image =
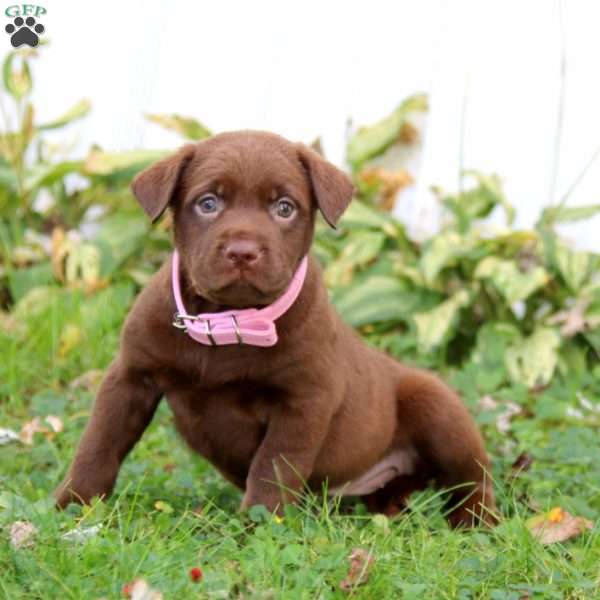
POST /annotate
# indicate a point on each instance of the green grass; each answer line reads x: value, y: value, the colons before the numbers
x: 255, y: 555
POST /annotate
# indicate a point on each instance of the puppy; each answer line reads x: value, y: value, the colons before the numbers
x: 264, y: 379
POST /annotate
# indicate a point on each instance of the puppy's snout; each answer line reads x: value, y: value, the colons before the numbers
x: 241, y: 253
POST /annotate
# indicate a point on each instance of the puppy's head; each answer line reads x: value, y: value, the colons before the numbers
x: 244, y: 206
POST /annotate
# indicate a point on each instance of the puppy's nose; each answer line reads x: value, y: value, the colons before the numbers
x: 242, y: 252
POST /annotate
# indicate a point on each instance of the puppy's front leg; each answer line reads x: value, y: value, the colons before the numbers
x: 285, y: 459
x: 123, y: 409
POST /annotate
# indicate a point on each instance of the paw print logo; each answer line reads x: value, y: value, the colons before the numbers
x: 24, y: 32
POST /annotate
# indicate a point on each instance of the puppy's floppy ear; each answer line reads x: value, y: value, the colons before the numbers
x: 155, y: 186
x: 332, y: 188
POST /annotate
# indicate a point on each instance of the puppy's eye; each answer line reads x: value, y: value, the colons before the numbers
x: 284, y: 208
x: 208, y: 204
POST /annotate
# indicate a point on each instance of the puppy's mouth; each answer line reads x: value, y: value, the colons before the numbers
x: 240, y: 291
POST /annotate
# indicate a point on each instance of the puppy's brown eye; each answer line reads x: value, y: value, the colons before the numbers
x: 208, y: 204
x: 284, y: 208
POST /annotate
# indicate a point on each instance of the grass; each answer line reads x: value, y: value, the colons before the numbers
x: 59, y: 334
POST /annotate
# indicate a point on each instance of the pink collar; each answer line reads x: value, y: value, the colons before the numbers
x: 251, y: 326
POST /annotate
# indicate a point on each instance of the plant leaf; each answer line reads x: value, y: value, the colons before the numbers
x: 359, y: 215
x: 567, y: 214
x: 557, y: 526
x: 434, y: 326
x: 443, y: 250
x: 77, y: 111
x: 99, y: 162
x: 17, y: 83
x: 509, y: 280
x: 372, y: 141
x: 189, y: 128
x: 361, y: 563
x: 375, y: 299
x: 575, y: 267
x: 532, y: 360
x: 360, y: 249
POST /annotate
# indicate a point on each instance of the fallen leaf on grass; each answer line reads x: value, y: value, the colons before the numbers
x: 22, y: 534
x: 139, y: 589
x: 557, y: 526
x: 361, y: 562
x: 81, y: 534
x: 36, y: 425
x: 7, y: 436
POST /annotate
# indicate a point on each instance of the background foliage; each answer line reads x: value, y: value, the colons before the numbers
x: 510, y: 317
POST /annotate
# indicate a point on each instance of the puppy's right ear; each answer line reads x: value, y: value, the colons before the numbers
x: 154, y: 187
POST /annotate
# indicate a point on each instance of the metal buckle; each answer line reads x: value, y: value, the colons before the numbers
x: 238, y: 335
x: 178, y: 321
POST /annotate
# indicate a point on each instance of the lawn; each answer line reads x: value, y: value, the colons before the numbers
x: 172, y: 511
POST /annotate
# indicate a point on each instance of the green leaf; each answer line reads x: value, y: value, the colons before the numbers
x: 575, y: 267
x: 372, y: 141
x: 189, y: 128
x: 360, y: 249
x: 509, y: 280
x: 478, y: 202
x: 434, y: 326
x: 375, y: 299
x: 359, y: 215
x: 532, y: 360
x: 21, y: 281
x: 45, y: 174
x: 120, y: 236
x: 78, y: 111
x: 442, y: 251
x: 103, y: 163
x: 567, y: 214
x: 16, y: 82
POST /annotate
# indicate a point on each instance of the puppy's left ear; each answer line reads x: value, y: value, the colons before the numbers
x: 154, y: 187
x: 332, y: 188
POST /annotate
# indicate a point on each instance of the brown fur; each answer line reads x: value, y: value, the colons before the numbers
x: 320, y: 404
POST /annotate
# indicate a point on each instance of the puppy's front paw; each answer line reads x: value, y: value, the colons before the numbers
x: 269, y: 496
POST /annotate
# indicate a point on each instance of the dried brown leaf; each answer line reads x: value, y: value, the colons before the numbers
x: 36, y: 425
x: 557, y: 526
x: 361, y: 563
x: 22, y: 534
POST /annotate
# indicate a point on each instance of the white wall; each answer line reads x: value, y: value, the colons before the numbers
x: 303, y: 69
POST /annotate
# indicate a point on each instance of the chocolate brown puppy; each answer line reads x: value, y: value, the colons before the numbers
x: 319, y: 405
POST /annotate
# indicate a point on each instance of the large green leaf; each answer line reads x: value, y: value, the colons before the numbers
x: 532, y: 360
x: 568, y: 214
x: 376, y: 299
x: 479, y: 201
x: 45, y: 174
x: 509, y: 280
x: 16, y: 82
x: 189, y: 128
x: 21, y: 281
x: 99, y: 162
x: 120, y: 236
x: 574, y: 266
x: 359, y: 215
x: 435, y: 326
x: 78, y: 111
x: 443, y: 250
x: 372, y: 141
x: 360, y: 249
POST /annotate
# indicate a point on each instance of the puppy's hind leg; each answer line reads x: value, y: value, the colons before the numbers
x: 446, y: 439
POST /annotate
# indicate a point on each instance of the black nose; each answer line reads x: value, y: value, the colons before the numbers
x: 242, y: 252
